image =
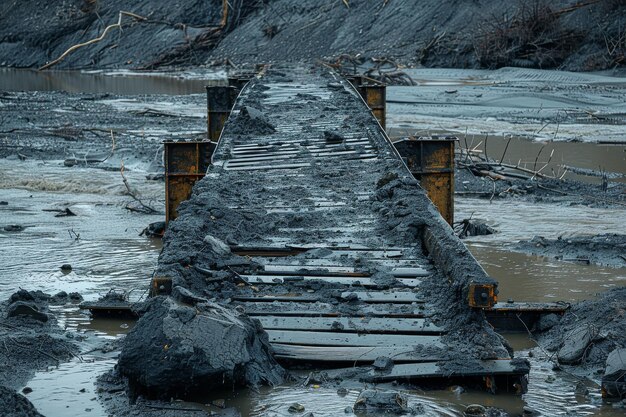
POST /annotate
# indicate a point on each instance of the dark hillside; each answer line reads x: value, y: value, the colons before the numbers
x: 565, y: 34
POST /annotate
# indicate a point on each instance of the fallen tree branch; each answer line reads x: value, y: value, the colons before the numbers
x: 92, y: 41
x: 144, y: 207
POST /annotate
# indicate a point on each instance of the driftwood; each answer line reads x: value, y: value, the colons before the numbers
x: 92, y: 41
x: 143, y: 207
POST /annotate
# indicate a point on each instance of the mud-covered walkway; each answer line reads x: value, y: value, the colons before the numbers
x: 309, y: 221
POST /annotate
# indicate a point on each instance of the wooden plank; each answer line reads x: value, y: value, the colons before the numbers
x: 315, y: 270
x: 328, y: 310
x: 351, y: 281
x: 334, y: 260
x: 267, y: 251
x: 299, y: 337
x: 297, y: 298
x: 401, y: 272
x: 350, y: 354
x: 530, y: 307
x: 384, y: 296
x: 434, y: 370
x: 347, y: 324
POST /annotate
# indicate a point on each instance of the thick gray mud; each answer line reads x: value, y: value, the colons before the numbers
x: 583, y: 338
x: 31, y: 340
x: 608, y: 249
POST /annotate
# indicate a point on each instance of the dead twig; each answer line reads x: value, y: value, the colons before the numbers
x: 92, y: 41
x: 144, y: 207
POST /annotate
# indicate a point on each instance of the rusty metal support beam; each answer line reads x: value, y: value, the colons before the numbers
x: 375, y: 95
x: 431, y: 161
x: 160, y: 286
x: 458, y: 265
x: 220, y: 101
x: 238, y: 82
x: 185, y: 163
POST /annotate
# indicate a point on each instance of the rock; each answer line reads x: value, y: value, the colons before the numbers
x: 309, y: 415
x: 65, y: 213
x: 546, y: 322
x: 185, y: 296
x: 13, y: 228
x: 575, y: 344
x: 333, y: 137
x: 377, y: 401
x: 75, y: 297
x: 22, y: 308
x: 475, y: 410
x: 383, y: 363
x: 176, y: 349
x: 66, y: 268
x: 296, y: 408
x: 155, y: 229
x: 217, y: 246
x: 13, y: 404
x: 342, y: 392
x: 4, y: 203
x: 348, y: 410
x: 21, y: 295
x: 386, y: 179
x: 614, y: 378
x: 27, y: 390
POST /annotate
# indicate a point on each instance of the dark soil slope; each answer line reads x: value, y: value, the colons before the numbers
x: 566, y: 34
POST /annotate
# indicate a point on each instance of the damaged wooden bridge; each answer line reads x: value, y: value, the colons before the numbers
x: 307, y: 219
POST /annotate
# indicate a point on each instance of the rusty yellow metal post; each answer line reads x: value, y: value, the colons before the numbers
x: 160, y: 286
x: 375, y: 95
x: 431, y: 161
x: 238, y: 82
x: 220, y: 100
x: 185, y: 163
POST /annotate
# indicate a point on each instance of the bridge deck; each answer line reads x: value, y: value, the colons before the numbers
x: 328, y: 230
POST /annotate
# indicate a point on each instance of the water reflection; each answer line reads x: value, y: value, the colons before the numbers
x: 120, y: 82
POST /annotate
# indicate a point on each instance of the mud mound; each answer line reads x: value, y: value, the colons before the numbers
x: 589, y: 332
x: 607, y: 249
x: 30, y: 337
x: 178, y: 349
x: 13, y: 404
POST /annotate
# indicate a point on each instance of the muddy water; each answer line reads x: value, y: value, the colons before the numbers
x: 120, y: 82
x: 109, y: 253
x: 101, y: 242
x: 554, y: 158
x: 537, y: 278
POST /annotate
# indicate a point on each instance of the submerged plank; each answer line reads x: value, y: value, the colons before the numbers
x: 350, y: 281
x: 440, y: 370
x: 296, y: 337
x: 346, y: 324
x: 383, y: 296
x: 329, y: 310
x: 350, y: 354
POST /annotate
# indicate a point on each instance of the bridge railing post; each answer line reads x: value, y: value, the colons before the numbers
x: 185, y: 163
x: 220, y: 101
x: 375, y: 95
x: 431, y: 161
